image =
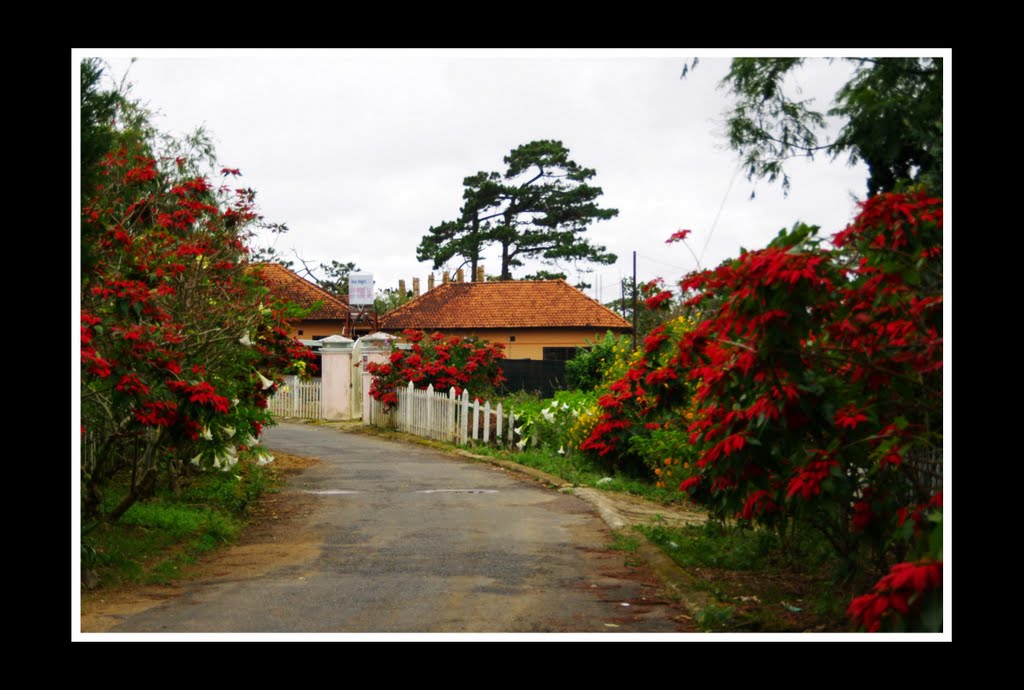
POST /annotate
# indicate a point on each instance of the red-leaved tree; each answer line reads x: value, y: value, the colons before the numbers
x: 181, y: 341
x: 819, y: 379
x: 817, y: 376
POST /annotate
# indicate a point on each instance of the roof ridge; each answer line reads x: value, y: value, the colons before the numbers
x: 310, y: 283
x: 507, y: 303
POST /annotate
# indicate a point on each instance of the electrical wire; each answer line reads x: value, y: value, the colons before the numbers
x: 718, y: 215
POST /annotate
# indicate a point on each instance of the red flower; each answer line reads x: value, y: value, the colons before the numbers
x: 849, y: 417
x: 898, y: 592
x: 690, y: 484
x: 656, y: 301
x: 678, y: 236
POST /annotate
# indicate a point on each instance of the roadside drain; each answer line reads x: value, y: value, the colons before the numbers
x: 332, y: 492
x: 458, y: 491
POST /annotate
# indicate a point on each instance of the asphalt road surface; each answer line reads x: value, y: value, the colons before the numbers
x: 403, y: 538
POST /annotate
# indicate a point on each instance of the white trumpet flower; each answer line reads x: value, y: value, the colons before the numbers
x: 244, y: 340
x: 267, y: 383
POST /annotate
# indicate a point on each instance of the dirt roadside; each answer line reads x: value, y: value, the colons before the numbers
x: 272, y: 539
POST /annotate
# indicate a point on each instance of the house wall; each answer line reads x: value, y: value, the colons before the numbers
x: 312, y: 328
x: 530, y: 342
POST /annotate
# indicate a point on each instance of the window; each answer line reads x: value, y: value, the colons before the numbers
x: 559, y: 354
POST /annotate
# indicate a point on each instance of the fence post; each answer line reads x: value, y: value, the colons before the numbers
x: 476, y: 420
x: 450, y: 415
x: 292, y: 382
x: 487, y: 422
x: 511, y: 428
x: 408, y: 411
x: 464, y: 421
x: 430, y: 411
x: 497, y: 428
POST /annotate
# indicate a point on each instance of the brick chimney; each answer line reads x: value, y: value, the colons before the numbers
x: 480, y: 274
x: 401, y: 287
x: 444, y: 278
x: 460, y: 276
x: 415, y: 287
x: 430, y: 281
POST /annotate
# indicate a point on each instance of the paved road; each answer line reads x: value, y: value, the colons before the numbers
x: 403, y: 538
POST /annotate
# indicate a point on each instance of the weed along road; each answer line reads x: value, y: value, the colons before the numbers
x: 395, y: 537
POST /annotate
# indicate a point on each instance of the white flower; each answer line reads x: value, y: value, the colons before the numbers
x: 265, y: 459
x: 229, y: 431
x: 522, y: 444
x: 196, y: 459
x: 226, y: 458
x: 207, y: 434
x: 548, y: 415
x: 249, y: 441
x: 561, y: 450
x: 267, y: 383
x: 244, y: 340
x: 235, y: 402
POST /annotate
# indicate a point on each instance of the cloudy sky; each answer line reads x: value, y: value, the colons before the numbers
x: 359, y: 152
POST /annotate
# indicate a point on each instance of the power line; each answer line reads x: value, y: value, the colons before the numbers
x: 664, y: 263
x: 719, y: 214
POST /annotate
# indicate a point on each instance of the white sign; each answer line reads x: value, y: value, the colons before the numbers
x: 360, y: 289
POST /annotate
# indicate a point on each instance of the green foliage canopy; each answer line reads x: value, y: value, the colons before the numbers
x: 891, y: 108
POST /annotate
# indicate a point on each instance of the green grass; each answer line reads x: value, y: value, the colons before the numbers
x: 156, y: 541
x: 711, y: 545
x: 628, y: 544
x: 578, y: 470
x: 759, y: 585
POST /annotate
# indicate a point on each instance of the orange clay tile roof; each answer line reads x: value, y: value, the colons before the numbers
x: 294, y: 288
x: 503, y: 304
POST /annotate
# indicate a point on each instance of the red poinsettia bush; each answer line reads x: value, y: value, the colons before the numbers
x: 181, y: 341
x: 644, y: 413
x: 445, y: 362
x: 819, y: 388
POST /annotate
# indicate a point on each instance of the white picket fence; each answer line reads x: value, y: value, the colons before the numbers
x: 445, y: 417
x: 297, y: 399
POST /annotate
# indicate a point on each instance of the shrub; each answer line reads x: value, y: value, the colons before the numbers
x: 441, y: 361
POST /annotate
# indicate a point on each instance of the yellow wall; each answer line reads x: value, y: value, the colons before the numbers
x: 314, y: 328
x: 530, y: 342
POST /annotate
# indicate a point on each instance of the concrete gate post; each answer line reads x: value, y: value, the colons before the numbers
x: 336, y: 378
x: 376, y: 347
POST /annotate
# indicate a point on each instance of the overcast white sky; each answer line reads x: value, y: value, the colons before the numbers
x: 359, y: 152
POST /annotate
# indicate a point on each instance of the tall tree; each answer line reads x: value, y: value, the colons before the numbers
x: 891, y: 110
x: 467, y: 236
x: 539, y: 208
x: 337, y: 274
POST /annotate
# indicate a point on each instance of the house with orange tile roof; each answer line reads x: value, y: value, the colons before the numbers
x: 330, y: 315
x: 534, y: 319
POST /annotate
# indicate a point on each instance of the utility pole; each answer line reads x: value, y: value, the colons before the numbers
x: 634, y: 299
